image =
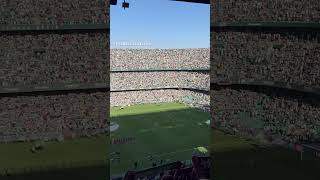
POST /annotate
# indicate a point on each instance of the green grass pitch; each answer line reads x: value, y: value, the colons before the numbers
x: 172, y: 130
x: 238, y: 158
x: 167, y: 131
x: 79, y: 158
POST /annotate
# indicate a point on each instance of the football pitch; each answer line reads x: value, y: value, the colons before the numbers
x: 238, y: 158
x: 81, y: 158
x: 165, y: 131
x: 171, y: 131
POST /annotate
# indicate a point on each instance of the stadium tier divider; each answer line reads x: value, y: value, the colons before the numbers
x: 253, y: 82
x: 163, y: 88
x: 54, y: 87
x: 51, y: 27
x: 155, y: 70
x: 267, y: 25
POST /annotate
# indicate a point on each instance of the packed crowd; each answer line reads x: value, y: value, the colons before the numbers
x: 199, y: 169
x: 184, y: 173
x: 128, y: 59
x: 126, y: 98
x: 143, y: 84
x: 266, y: 11
x: 289, y: 118
x: 126, y: 140
x: 24, y: 118
x: 37, y: 12
x: 41, y: 59
x: 283, y: 57
x: 49, y: 58
x: 152, y: 80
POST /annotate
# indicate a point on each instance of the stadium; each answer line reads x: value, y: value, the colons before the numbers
x: 54, y: 88
x: 265, y: 89
x: 160, y: 113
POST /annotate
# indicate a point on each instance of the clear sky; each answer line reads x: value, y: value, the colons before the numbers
x: 160, y: 24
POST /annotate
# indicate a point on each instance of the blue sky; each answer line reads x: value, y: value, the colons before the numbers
x: 160, y: 24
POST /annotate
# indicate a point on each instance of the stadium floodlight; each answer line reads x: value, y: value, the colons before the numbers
x: 125, y: 4
x: 113, y: 2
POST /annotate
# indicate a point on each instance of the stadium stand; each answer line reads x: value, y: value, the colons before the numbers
x: 128, y: 59
x: 167, y: 75
x: 174, y: 171
x: 165, y: 79
x: 54, y: 60
x: 51, y: 117
x: 266, y: 11
x: 21, y: 12
x: 198, y: 99
x: 289, y: 57
x: 265, y: 70
x: 278, y: 113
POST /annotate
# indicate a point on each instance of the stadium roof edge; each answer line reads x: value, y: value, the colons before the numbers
x: 196, y: 1
x: 114, y: 2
